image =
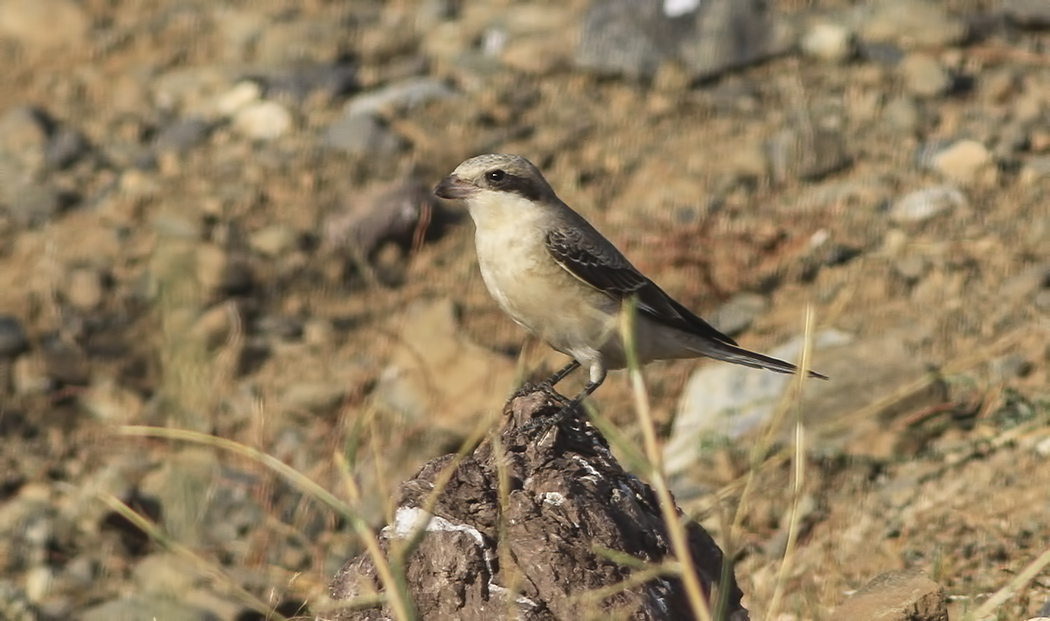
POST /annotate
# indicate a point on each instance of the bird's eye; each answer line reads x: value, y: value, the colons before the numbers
x: 496, y: 175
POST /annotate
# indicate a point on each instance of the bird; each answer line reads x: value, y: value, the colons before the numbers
x: 555, y: 275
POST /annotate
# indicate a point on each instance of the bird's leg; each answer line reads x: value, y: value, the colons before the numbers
x: 554, y: 419
x: 547, y: 385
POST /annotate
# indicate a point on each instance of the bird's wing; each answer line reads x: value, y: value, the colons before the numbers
x: 596, y: 262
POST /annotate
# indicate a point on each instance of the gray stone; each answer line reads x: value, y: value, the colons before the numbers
x: 635, y: 37
x: 905, y: 114
x: 182, y: 135
x: 921, y: 205
x: 65, y: 147
x: 726, y: 402
x: 13, y: 339
x: 362, y: 134
x: 739, y: 313
x: 628, y: 37
x: 728, y: 34
x: 1033, y: 14
x: 806, y: 153
x: 399, y: 96
x: 24, y: 135
x: 33, y: 204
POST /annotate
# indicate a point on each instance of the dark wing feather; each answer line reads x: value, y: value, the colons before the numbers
x: 599, y: 264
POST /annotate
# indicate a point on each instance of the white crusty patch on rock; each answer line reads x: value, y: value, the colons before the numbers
x: 407, y: 519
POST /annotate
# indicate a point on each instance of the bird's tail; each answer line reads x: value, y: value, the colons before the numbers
x: 738, y: 355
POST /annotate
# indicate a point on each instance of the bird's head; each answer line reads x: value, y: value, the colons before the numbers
x: 495, y: 178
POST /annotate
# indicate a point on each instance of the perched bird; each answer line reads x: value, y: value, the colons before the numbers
x: 561, y: 280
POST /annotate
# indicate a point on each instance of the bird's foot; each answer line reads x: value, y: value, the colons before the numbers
x: 546, y: 388
x: 569, y: 410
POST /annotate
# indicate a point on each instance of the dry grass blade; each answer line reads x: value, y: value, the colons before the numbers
x: 675, y: 528
x: 203, y: 566
x: 401, y: 604
x: 989, y: 609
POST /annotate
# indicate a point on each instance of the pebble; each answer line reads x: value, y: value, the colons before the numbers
x: 45, y: 25
x: 13, y: 338
x: 903, y: 595
x: 921, y: 205
x: 362, y: 134
x: 85, y: 288
x: 263, y: 120
x: 312, y: 397
x: 274, y: 240
x: 924, y: 76
x: 112, y: 403
x: 182, y: 135
x: 29, y: 375
x: 242, y: 95
x: 1034, y: 14
x: 33, y: 204
x: 962, y: 161
x: 215, y: 325
x: 65, y: 147
x: 905, y: 114
x: 24, y: 139
x: 333, y: 79
x: 912, y: 24
x: 829, y: 42
x: 806, y: 154
x: 737, y: 315
x: 399, y: 96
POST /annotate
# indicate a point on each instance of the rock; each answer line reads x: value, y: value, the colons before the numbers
x: 829, y: 42
x: 29, y: 375
x: 924, y: 76
x: 1010, y: 367
x: 906, y: 115
x: 570, y: 499
x: 13, y: 338
x: 262, y: 120
x: 634, y: 38
x: 312, y: 398
x: 921, y: 205
x: 729, y: 34
x: 24, y: 136
x: 912, y: 24
x: 33, y: 204
x: 164, y: 573
x: 725, y: 401
x: 299, y: 80
x: 963, y: 161
x: 806, y: 153
x: 242, y: 95
x: 44, y: 25
x: 1034, y: 14
x: 362, y: 134
x: 112, y: 403
x: 274, y: 240
x: 215, y: 326
x: 398, y: 97
x: 65, y: 147
x: 391, y: 212
x: 85, y: 288
x: 739, y: 313
x: 627, y: 37
x: 907, y: 595
x: 182, y: 135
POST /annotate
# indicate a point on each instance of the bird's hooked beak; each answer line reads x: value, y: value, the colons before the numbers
x: 453, y: 187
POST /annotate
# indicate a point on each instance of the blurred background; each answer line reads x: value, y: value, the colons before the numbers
x: 217, y: 217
